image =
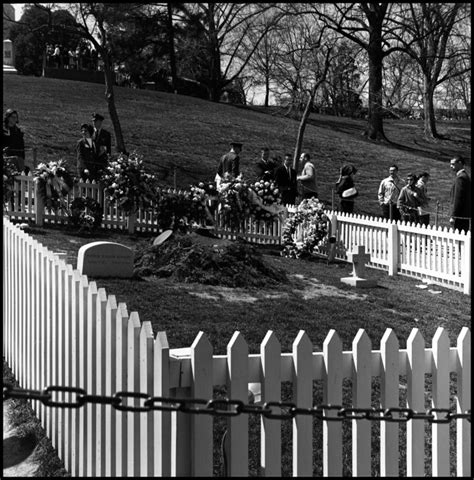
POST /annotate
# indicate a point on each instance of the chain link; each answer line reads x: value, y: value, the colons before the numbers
x: 78, y: 397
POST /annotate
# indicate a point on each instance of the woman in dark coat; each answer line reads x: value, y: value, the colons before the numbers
x: 345, y: 188
x: 13, y: 143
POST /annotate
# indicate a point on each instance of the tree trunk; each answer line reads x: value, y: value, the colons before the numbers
x: 302, y: 127
x: 428, y: 109
x: 375, y: 53
x: 174, y: 78
x: 267, y: 89
x: 109, y: 96
x: 215, y: 84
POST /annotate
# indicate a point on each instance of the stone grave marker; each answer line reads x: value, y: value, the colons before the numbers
x: 105, y: 259
x: 359, y: 258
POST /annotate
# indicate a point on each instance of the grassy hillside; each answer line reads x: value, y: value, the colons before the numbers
x: 189, y: 134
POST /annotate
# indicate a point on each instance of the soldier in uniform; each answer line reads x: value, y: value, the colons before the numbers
x: 102, y: 139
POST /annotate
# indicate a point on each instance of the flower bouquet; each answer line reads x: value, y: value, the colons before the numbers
x: 85, y: 213
x: 126, y: 182
x: 235, y: 201
x: 10, y: 171
x: 266, y: 200
x: 54, y: 183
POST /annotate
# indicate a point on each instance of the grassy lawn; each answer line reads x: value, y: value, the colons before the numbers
x: 190, y: 134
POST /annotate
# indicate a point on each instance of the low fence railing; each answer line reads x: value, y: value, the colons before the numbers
x: 61, y: 330
x: 440, y: 255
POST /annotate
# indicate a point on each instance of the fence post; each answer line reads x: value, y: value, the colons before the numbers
x: 332, y: 238
x: 393, y: 249
x: 35, y: 151
x: 132, y: 218
x: 39, y: 205
x: 466, y: 260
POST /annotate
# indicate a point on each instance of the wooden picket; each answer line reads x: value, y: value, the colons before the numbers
x: 62, y: 330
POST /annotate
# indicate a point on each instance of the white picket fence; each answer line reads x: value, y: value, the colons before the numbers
x: 60, y: 329
x: 437, y: 254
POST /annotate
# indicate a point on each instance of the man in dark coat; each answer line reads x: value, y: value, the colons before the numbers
x: 460, y: 196
x: 269, y: 165
x: 230, y: 162
x: 88, y: 168
x: 102, y: 139
x: 285, y: 178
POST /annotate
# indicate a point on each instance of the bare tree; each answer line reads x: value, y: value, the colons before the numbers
x: 225, y: 27
x: 91, y: 24
x: 425, y: 31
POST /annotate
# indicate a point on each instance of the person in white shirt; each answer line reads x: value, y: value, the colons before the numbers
x: 388, y: 193
x: 307, y: 178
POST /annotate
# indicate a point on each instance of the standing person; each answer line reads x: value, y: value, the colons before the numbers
x: 423, y: 209
x: 388, y: 193
x: 13, y: 142
x: 262, y: 172
x: 285, y: 178
x: 460, y: 196
x: 307, y: 178
x: 229, y: 164
x: 409, y: 200
x: 269, y: 165
x: 345, y: 188
x: 57, y: 56
x: 87, y: 165
x: 102, y: 139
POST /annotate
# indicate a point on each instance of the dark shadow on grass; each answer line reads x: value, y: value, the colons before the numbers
x: 17, y: 449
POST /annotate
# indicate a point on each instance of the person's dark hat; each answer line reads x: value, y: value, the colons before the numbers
x: 97, y: 116
x: 236, y: 144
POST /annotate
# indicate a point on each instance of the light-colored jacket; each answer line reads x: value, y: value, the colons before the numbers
x: 423, y: 209
x: 308, y: 178
x: 389, y: 190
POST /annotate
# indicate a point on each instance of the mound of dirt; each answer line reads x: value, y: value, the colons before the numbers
x: 211, y: 261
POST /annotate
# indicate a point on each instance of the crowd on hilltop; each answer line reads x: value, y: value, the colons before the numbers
x: 398, y: 199
x: 84, y: 57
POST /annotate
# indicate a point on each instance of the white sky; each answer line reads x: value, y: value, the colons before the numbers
x: 18, y: 9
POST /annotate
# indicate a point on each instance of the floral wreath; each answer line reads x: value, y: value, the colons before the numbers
x: 54, y: 182
x: 311, y: 216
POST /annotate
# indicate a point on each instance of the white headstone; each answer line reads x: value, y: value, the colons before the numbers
x: 105, y: 259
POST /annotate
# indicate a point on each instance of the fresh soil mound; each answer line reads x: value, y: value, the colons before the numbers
x: 211, y: 261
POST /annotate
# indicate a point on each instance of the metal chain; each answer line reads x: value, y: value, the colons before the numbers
x: 142, y: 402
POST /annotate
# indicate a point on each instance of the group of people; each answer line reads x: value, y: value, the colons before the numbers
x: 283, y: 174
x: 93, y: 149
x: 398, y: 200
x: 410, y: 201
x: 82, y: 58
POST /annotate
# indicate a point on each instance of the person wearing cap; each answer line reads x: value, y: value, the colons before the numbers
x: 345, y: 188
x: 13, y: 142
x: 102, y: 139
x: 229, y: 164
x: 87, y: 166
